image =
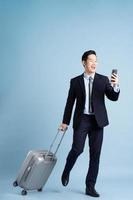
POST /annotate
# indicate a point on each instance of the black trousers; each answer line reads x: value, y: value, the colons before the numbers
x: 88, y: 127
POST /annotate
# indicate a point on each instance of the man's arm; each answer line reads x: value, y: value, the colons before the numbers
x: 112, y: 89
x: 69, y: 106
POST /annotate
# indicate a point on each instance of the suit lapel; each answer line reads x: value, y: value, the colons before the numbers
x: 95, y: 84
x: 82, y: 85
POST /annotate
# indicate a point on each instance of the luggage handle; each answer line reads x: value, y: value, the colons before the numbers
x: 51, y: 146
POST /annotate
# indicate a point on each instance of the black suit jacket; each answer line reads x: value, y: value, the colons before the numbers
x: 101, y: 87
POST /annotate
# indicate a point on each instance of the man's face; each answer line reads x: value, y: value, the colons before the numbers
x: 90, y: 64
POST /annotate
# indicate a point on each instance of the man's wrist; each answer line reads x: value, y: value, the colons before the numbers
x: 116, y: 87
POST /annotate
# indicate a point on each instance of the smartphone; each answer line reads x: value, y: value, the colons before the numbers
x: 114, y: 71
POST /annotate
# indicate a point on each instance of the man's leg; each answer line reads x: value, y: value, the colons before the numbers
x: 76, y: 150
x: 79, y: 137
x: 95, y: 144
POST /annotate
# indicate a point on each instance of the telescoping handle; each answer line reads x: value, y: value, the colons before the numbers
x: 51, y: 146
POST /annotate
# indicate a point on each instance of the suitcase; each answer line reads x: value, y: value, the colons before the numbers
x: 37, y: 168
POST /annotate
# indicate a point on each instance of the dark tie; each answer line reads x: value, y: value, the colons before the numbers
x: 90, y: 92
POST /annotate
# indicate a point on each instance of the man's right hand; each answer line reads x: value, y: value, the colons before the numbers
x: 63, y: 127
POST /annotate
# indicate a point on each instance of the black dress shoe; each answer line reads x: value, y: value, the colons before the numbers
x: 65, y: 179
x: 91, y: 192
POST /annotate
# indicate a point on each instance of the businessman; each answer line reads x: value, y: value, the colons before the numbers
x: 90, y: 117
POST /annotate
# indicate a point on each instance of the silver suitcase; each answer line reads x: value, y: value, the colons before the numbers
x: 37, y: 168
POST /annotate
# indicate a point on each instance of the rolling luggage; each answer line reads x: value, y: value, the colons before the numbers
x: 37, y: 168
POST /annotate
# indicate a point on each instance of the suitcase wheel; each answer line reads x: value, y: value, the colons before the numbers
x: 24, y: 192
x: 15, y: 184
x: 39, y: 190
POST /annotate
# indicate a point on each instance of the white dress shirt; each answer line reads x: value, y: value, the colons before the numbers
x: 86, y: 83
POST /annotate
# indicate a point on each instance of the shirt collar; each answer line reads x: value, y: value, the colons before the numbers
x: 87, y: 76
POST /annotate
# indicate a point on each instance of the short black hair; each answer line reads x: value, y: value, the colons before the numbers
x: 87, y: 53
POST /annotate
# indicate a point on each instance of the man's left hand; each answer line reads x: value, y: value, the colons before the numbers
x: 114, y: 80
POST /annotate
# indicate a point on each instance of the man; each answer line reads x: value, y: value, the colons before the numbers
x: 90, y: 117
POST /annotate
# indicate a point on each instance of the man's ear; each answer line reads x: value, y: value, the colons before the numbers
x: 83, y: 62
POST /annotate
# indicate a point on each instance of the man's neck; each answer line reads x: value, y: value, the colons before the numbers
x: 89, y: 74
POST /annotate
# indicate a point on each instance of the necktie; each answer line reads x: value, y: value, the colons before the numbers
x: 90, y: 92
